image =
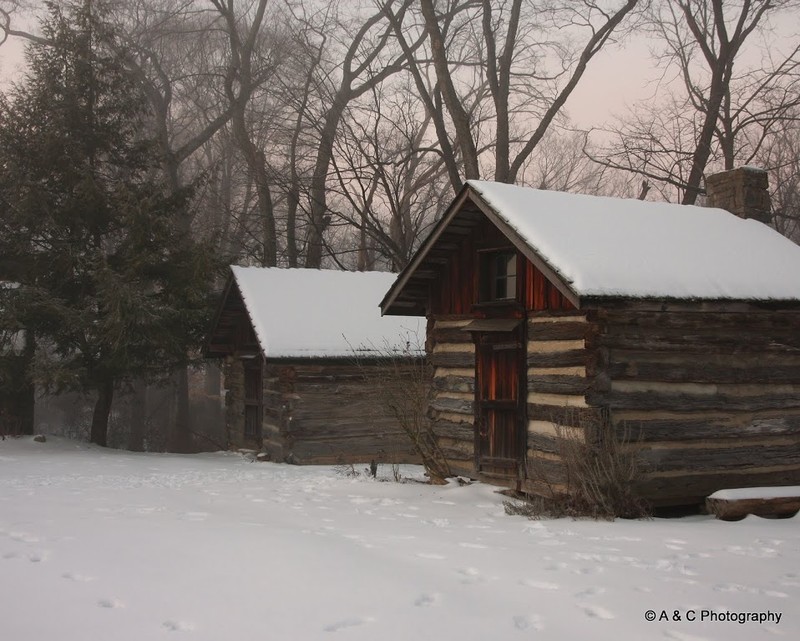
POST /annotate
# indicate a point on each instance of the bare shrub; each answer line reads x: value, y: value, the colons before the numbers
x: 597, y: 479
x: 347, y: 470
x: 404, y: 387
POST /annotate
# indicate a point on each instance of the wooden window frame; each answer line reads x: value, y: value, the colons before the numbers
x: 487, y: 261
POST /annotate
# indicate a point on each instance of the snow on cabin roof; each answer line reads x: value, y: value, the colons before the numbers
x: 613, y: 247
x: 322, y: 313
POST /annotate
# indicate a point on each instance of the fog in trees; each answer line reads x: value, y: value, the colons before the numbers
x: 299, y: 133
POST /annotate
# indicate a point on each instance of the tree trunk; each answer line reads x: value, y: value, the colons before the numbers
x: 27, y: 391
x: 458, y: 115
x: 102, y: 410
x: 138, y: 416
x: 181, y: 437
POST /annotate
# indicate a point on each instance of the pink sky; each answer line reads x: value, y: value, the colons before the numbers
x: 615, y: 79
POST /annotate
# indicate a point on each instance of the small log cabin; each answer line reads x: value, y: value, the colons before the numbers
x: 304, y: 356
x: 551, y: 315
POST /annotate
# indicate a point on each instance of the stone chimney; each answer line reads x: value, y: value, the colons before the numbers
x: 743, y: 191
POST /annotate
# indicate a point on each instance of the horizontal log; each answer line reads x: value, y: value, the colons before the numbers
x: 584, y: 417
x: 688, y: 489
x: 451, y: 335
x: 458, y: 419
x: 454, y: 383
x: 453, y: 359
x: 566, y: 330
x: 757, y: 320
x: 557, y: 315
x: 362, y: 441
x: 710, y: 428
x: 348, y: 457
x: 462, y: 467
x: 544, y: 443
x: 648, y: 366
x: 616, y: 400
x: 454, y: 405
x: 321, y: 428
x: 682, y: 306
x: 702, y: 342
x: 456, y: 449
x: 545, y: 472
x: 567, y: 358
x: 460, y: 431
x: 557, y: 384
x: 693, y: 460
x: 736, y: 509
x: 455, y: 454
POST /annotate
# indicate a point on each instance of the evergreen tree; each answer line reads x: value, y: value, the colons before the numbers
x: 104, y: 282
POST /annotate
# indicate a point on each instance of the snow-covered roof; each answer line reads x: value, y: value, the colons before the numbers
x: 322, y: 313
x: 613, y: 247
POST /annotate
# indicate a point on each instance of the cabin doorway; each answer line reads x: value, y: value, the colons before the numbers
x: 499, y: 403
x: 253, y: 398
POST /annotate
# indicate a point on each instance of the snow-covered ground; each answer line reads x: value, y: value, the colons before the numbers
x: 99, y: 544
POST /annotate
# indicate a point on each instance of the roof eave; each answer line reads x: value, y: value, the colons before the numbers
x: 404, y: 276
x: 468, y: 192
x: 207, y: 352
x: 549, y: 272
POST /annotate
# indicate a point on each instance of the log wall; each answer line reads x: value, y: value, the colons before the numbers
x: 558, y: 381
x: 710, y: 400
x: 318, y: 413
x: 452, y: 409
x: 233, y: 371
x: 330, y: 413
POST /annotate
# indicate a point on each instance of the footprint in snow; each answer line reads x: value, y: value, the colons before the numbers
x: 37, y: 557
x: 470, y: 575
x: 352, y: 622
x: 474, y: 546
x: 540, y: 585
x: 426, y: 600
x: 10, y: 555
x: 593, y: 591
x: 528, y: 622
x: 590, y: 570
x: 596, y: 612
x: 195, y: 516
x: 23, y: 537
x: 438, y: 522
x: 735, y: 587
x: 111, y: 604
x: 431, y: 555
x: 177, y: 626
x: 72, y: 576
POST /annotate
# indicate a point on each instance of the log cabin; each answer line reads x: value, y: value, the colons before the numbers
x: 674, y: 328
x: 304, y: 356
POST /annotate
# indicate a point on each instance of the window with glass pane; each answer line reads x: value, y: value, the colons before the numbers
x: 498, y: 276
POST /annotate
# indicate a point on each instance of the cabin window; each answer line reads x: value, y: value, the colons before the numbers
x: 498, y: 276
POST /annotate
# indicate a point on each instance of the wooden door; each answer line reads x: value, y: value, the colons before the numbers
x: 499, y: 396
x: 253, y: 398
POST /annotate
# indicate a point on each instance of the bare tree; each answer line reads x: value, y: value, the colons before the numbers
x: 781, y: 153
x: 389, y: 175
x: 493, y: 64
x: 12, y: 12
x: 712, y: 114
x: 248, y: 68
x: 366, y: 62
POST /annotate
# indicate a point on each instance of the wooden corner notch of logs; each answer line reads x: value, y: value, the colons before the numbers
x: 769, y: 502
